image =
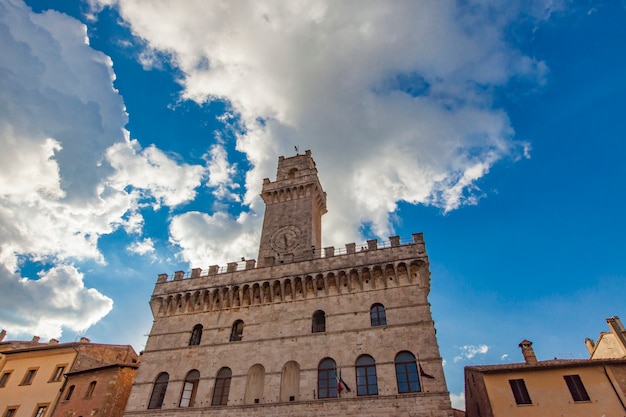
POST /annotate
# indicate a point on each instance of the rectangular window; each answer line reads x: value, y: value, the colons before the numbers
x: 58, y: 373
x: 40, y: 411
x: 519, y: 391
x: 30, y: 375
x: 4, y: 378
x: 576, y: 388
x: 11, y: 411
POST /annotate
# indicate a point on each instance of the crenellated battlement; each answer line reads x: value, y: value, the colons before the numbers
x: 376, y: 265
x: 328, y: 252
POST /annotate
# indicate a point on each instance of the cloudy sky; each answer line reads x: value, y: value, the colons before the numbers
x: 135, y: 135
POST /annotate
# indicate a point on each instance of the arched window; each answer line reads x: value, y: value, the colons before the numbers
x: 406, y: 373
x: 377, y: 315
x: 196, y: 335
x: 158, y: 391
x: 366, y: 382
x: 236, y: 333
x: 70, y: 391
x: 90, y: 388
x: 327, y: 379
x: 319, y: 322
x: 222, y: 387
x: 190, y: 387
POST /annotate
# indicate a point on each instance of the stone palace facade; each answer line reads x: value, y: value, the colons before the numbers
x: 304, y: 331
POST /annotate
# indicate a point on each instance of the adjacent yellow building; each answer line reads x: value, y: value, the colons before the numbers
x: 559, y: 387
x: 32, y: 375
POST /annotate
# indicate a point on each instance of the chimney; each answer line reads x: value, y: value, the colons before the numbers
x: 53, y: 342
x: 35, y: 340
x: 528, y: 352
x: 84, y: 340
x: 3, y: 334
x: 590, y: 345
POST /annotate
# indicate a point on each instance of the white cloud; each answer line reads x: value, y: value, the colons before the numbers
x: 143, y: 247
x: 43, y: 306
x: 214, y: 239
x: 398, y: 95
x: 504, y: 356
x: 151, y: 170
x: 458, y: 400
x: 59, y: 113
x: 469, y: 351
x: 221, y: 174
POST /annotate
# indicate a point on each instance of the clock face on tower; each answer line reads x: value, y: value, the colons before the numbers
x: 285, y: 239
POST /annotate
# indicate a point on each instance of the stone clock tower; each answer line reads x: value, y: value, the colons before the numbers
x: 295, y: 203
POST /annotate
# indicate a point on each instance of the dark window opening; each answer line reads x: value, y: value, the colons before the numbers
x: 28, y: 378
x: 292, y: 398
x: 70, y: 391
x: 406, y: 373
x: 158, y: 391
x: 236, y: 333
x: 576, y: 388
x: 196, y: 335
x: 222, y: 387
x: 10, y: 412
x: 90, y: 388
x: 4, y: 378
x: 319, y: 322
x: 377, y: 315
x: 518, y: 386
x: 327, y: 379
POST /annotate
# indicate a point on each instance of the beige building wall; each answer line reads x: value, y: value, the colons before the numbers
x: 43, y: 390
x: 550, y: 395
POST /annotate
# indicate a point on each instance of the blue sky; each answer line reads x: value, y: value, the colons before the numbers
x: 136, y: 135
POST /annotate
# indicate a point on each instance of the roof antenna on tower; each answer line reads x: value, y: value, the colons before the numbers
x: 296, y: 148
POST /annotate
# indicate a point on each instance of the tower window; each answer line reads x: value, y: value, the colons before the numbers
x: 366, y: 381
x: 319, y: 322
x: 222, y: 387
x: 377, y: 315
x: 196, y: 335
x: 190, y: 387
x: 406, y: 373
x: 327, y: 379
x: 236, y: 334
x: 158, y: 391
x: 518, y: 386
x: 576, y: 388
